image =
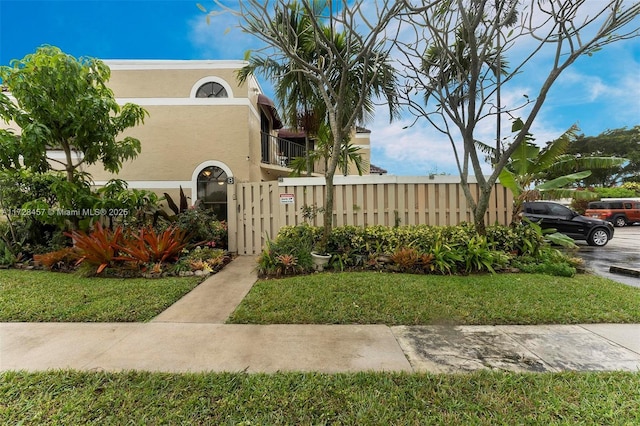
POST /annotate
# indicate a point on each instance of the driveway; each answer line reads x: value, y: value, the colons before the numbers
x: 622, y: 250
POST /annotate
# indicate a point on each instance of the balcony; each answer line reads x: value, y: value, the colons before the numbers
x: 280, y: 152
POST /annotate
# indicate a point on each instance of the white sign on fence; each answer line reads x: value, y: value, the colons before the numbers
x: 287, y: 199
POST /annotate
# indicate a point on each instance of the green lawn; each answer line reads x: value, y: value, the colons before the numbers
x: 332, y: 298
x: 39, y: 296
x: 73, y: 398
x: 403, y: 299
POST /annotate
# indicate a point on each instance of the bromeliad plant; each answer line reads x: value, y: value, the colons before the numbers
x: 104, y: 248
x: 147, y: 246
x: 99, y: 248
x: 60, y: 260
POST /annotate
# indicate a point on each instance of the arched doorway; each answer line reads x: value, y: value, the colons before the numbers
x: 211, y: 190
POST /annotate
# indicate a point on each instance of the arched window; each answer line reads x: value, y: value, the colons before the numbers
x: 212, y: 190
x: 212, y: 90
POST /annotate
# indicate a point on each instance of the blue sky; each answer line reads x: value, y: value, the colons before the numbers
x: 598, y: 93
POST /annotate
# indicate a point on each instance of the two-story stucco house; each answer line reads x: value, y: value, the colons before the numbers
x: 204, y: 130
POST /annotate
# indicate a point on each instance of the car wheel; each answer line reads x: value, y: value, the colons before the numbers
x: 619, y: 221
x: 599, y: 237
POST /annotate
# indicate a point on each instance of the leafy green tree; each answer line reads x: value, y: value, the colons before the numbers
x: 334, y: 54
x: 62, y: 103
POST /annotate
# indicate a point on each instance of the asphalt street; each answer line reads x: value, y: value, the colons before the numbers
x: 623, y: 250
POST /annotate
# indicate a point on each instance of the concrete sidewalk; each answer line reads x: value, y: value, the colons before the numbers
x: 191, y: 337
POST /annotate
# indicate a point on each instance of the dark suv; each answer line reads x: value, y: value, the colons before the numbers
x: 564, y: 220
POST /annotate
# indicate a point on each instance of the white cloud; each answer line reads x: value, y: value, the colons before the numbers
x: 221, y: 38
x: 416, y: 150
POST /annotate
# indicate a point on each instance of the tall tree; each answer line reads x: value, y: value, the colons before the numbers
x: 456, y: 55
x: 62, y: 103
x: 336, y: 51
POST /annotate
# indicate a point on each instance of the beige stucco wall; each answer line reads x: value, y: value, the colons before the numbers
x: 183, y: 132
x: 171, y: 79
x: 176, y: 139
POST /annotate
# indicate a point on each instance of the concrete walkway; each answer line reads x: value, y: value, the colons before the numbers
x: 191, y: 337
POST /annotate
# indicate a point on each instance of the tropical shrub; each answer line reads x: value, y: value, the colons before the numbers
x: 64, y: 259
x: 202, y: 226
x: 219, y: 234
x: 445, y: 258
x: 149, y: 246
x: 26, y: 231
x: 298, y: 241
x: 7, y: 257
x: 98, y: 248
x: 519, y: 239
x: 620, y: 192
x: 478, y: 256
x: 127, y: 207
x: 413, y: 249
x: 548, y: 261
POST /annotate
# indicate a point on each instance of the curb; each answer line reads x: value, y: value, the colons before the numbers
x: 623, y: 270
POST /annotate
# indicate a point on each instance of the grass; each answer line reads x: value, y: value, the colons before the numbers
x: 403, y: 299
x: 65, y: 397
x: 340, y: 298
x: 39, y: 296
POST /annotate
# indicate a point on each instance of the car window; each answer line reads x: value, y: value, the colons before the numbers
x: 558, y: 210
x: 537, y: 208
x: 627, y: 205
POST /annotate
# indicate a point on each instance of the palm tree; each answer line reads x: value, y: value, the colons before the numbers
x: 302, y: 108
x: 322, y: 151
x: 325, y: 80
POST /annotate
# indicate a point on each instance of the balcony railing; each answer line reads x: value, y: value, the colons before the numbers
x: 280, y: 152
